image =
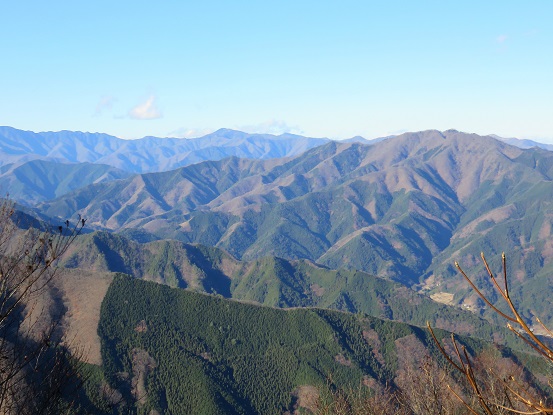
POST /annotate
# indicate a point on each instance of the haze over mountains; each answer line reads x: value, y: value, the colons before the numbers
x: 147, y: 154
x: 153, y: 154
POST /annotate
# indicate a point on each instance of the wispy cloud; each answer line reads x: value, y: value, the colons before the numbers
x: 272, y: 126
x: 105, y: 104
x: 501, y: 38
x: 396, y: 132
x: 146, y: 110
x: 184, y: 132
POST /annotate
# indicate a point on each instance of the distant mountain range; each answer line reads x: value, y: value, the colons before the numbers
x: 153, y: 154
x: 148, y: 154
x: 404, y: 208
x: 524, y: 143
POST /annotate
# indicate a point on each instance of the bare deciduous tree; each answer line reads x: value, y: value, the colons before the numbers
x: 423, y: 390
x: 494, y: 385
x: 495, y: 393
x: 36, y: 370
x: 363, y: 401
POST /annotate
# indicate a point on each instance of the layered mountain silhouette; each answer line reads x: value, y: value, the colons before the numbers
x: 523, y: 143
x: 148, y: 154
x: 404, y: 208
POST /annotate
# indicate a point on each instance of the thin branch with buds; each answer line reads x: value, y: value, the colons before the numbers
x: 518, y: 400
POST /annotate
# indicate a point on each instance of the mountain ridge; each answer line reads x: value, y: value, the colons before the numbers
x: 268, y: 281
x: 405, y: 208
x: 148, y: 153
x: 34, y: 181
x: 154, y: 154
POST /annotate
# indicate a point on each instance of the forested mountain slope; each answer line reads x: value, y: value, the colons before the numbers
x: 175, y: 351
x: 404, y: 208
x: 270, y: 281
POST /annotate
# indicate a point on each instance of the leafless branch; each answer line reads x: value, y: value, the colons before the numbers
x: 516, y: 398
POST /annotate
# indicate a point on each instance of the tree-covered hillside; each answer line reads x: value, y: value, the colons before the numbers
x: 271, y: 281
x: 175, y: 351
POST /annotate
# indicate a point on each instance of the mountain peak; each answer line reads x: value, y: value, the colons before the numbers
x: 226, y: 131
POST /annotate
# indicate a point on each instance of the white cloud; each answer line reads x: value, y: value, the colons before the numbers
x: 184, y: 132
x: 272, y: 126
x: 105, y: 104
x: 146, y: 111
x: 501, y: 38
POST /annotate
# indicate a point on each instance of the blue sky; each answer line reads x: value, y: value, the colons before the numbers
x: 318, y: 68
